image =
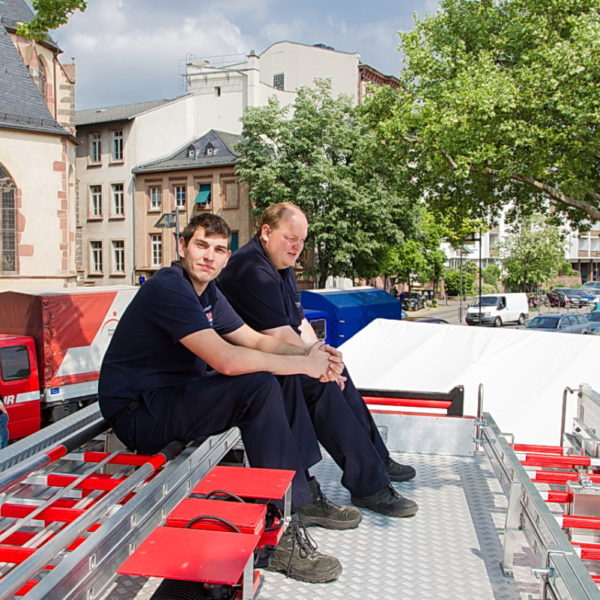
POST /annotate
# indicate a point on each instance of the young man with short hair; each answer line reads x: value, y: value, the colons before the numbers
x: 155, y: 387
x: 260, y: 284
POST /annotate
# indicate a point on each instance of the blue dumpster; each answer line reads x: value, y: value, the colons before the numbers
x: 348, y: 311
x: 320, y: 323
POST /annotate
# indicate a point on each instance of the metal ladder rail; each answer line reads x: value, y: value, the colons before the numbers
x: 24, y: 572
x: 17, y: 452
x: 50, y: 454
x: 35, y: 453
x: 42, y: 536
x: 565, y: 470
x: 120, y: 530
x: 561, y: 571
x: 53, y: 498
x: 88, y: 571
x: 57, y: 529
x: 52, y: 529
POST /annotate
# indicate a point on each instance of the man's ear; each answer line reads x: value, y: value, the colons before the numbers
x: 265, y: 230
x: 181, y: 246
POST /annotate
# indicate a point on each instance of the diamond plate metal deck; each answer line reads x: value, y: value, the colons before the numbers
x: 450, y: 550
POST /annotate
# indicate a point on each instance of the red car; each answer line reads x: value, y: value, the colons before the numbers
x: 556, y: 298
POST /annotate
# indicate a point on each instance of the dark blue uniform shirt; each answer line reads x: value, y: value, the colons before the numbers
x: 145, y: 353
x: 262, y: 295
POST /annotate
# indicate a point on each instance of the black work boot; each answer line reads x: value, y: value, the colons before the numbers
x: 296, y: 555
x: 323, y: 512
x: 387, y: 501
x: 398, y: 472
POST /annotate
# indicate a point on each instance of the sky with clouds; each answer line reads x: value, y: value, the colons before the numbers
x: 132, y: 50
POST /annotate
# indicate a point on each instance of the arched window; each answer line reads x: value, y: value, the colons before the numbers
x: 40, y: 78
x: 43, y: 81
x: 8, y: 220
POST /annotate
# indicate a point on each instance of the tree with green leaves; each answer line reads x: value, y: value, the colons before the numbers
x: 490, y: 275
x: 498, y: 109
x: 314, y: 154
x: 532, y: 255
x: 406, y: 263
x: 418, y: 259
x: 459, y: 282
x: 49, y: 14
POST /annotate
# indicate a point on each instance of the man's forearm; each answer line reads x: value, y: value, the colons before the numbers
x: 272, y: 345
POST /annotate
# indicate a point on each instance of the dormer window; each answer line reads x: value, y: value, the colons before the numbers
x: 191, y: 152
x: 210, y: 150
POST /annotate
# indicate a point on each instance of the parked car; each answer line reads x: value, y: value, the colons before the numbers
x: 572, y: 298
x: 412, y: 301
x: 556, y: 298
x: 534, y: 301
x: 560, y: 322
x: 586, y: 297
x: 429, y: 320
x: 498, y: 309
x: 428, y: 294
x: 592, y: 288
x: 594, y: 319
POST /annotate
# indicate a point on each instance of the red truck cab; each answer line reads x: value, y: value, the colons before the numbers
x: 20, y: 384
x: 51, y: 349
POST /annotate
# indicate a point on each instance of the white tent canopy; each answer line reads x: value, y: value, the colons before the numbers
x: 524, y: 373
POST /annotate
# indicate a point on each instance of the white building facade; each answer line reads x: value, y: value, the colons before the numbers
x: 114, y: 140
x: 37, y: 159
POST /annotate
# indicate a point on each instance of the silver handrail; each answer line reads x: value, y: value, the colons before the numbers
x: 563, y: 575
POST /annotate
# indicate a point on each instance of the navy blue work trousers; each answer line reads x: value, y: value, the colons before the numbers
x: 212, y: 404
x: 3, y: 430
x: 321, y: 412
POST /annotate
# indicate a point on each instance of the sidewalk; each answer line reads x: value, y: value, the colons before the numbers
x: 443, y: 306
x: 454, y: 304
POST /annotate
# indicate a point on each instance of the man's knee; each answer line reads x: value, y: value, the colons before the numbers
x: 260, y: 379
x: 261, y: 387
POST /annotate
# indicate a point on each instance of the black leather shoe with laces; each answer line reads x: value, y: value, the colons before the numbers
x: 296, y: 555
x: 387, y: 501
x: 323, y: 512
x: 398, y: 472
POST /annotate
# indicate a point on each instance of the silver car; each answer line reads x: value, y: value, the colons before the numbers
x: 593, y: 288
x: 560, y: 322
x: 573, y: 298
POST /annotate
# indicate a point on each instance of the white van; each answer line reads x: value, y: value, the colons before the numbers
x: 498, y: 309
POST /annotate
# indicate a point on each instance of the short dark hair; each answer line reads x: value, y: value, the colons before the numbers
x: 275, y: 213
x: 212, y: 225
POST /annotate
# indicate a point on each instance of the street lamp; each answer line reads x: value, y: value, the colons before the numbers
x: 168, y: 221
x: 461, y: 252
x: 468, y: 240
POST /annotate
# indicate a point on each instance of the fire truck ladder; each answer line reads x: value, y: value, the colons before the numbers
x: 553, y: 500
x: 71, y: 513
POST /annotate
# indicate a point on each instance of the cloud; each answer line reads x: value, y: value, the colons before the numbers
x: 376, y: 42
x: 277, y: 31
x: 131, y: 50
x: 139, y: 59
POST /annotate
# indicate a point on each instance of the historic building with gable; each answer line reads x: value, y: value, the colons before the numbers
x: 132, y: 165
x: 38, y: 213
x: 199, y: 177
